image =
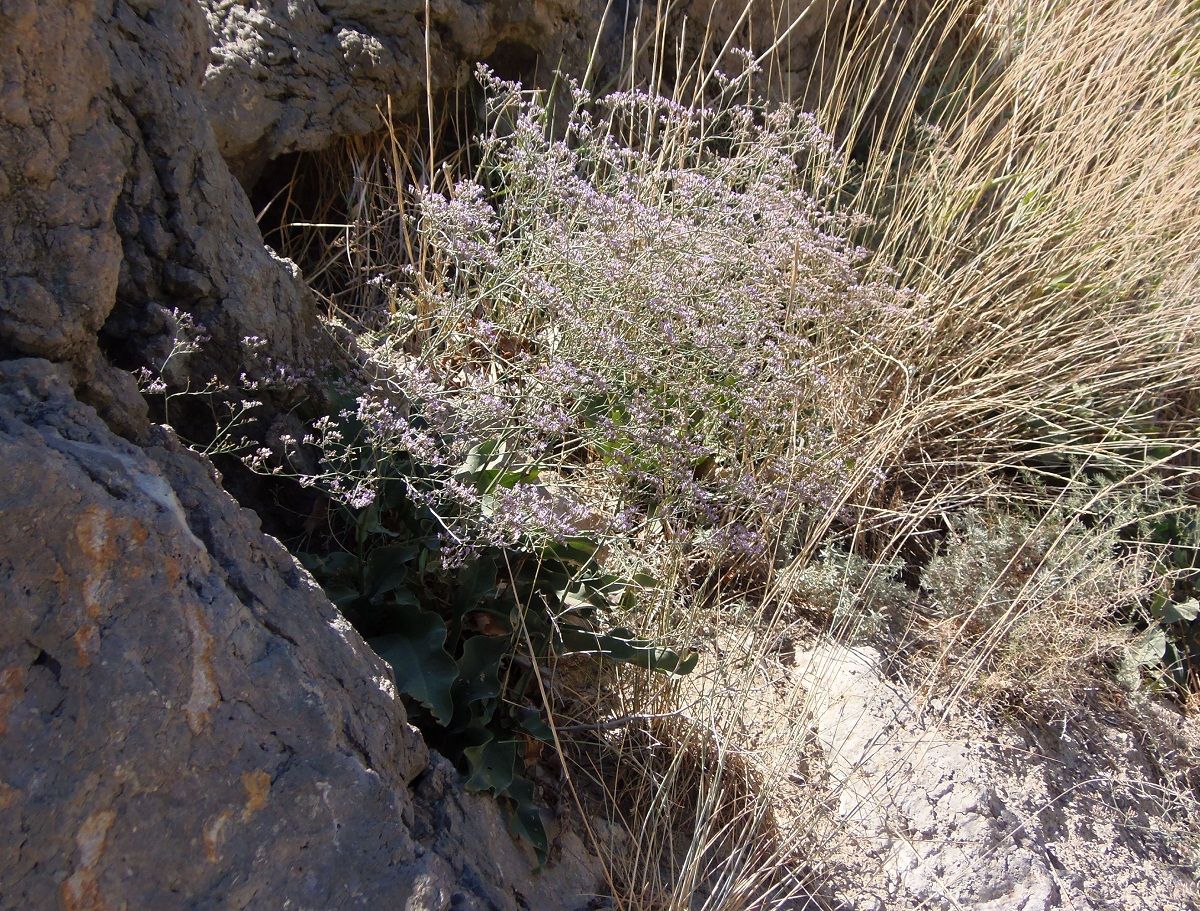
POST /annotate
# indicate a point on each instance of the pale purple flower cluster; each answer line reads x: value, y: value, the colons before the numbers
x: 645, y: 309
x: 389, y: 430
x: 534, y: 510
x: 736, y: 540
x: 462, y: 225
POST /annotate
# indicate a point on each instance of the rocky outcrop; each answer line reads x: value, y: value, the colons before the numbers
x: 784, y: 36
x: 116, y: 207
x: 294, y: 76
x: 185, y: 721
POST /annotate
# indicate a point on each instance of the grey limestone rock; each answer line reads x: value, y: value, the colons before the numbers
x: 295, y: 76
x: 185, y: 720
x: 116, y: 207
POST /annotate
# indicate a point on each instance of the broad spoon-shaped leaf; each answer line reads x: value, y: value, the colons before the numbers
x: 424, y: 669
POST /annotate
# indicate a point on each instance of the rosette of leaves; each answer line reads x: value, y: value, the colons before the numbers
x: 465, y: 645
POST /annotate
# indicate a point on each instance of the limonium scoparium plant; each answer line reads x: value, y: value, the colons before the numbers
x: 629, y: 315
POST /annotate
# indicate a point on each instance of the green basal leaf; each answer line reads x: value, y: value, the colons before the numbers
x: 476, y: 583
x: 578, y: 551
x: 368, y: 524
x: 403, y: 597
x: 1179, y: 612
x: 424, y: 669
x: 683, y: 665
x: 1149, y: 648
x: 489, y: 466
x: 480, y: 457
x: 599, y: 592
x: 388, y: 568
x: 479, y: 668
x: 456, y: 742
x: 525, y: 820
x: 492, y: 765
x: 511, y: 479
x: 623, y: 646
x: 530, y: 721
x: 577, y: 596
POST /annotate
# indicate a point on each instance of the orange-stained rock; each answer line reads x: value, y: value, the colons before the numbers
x: 185, y: 720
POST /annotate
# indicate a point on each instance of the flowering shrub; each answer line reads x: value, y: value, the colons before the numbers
x: 633, y: 320
x: 623, y: 369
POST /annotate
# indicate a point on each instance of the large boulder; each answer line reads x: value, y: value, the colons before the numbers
x: 940, y: 810
x: 185, y: 720
x: 116, y: 207
x: 289, y: 76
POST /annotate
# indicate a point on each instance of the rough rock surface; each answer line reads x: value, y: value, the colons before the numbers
x: 185, y: 721
x: 783, y: 34
x: 116, y: 207
x: 294, y: 76
x: 937, y: 813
